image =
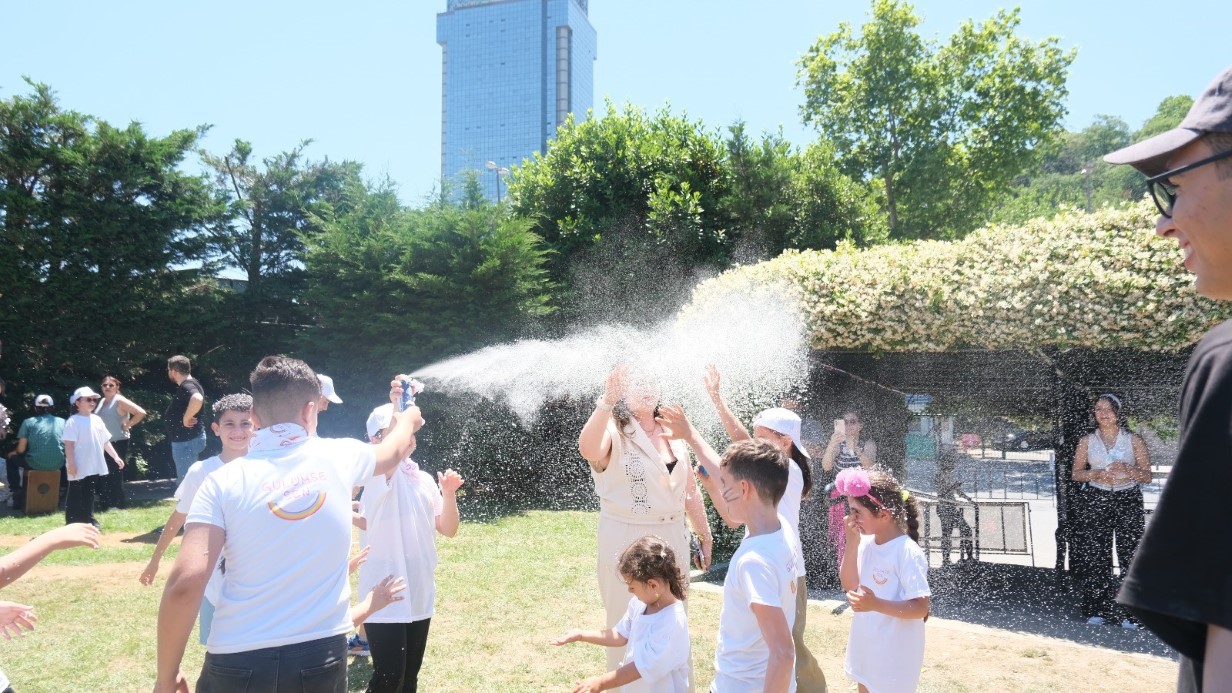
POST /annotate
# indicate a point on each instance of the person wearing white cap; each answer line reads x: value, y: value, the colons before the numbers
x: 327, y: 393
x: 39, y: 446
x: 1178, y: 585
x: 86, y: 438
x: 780, y: 427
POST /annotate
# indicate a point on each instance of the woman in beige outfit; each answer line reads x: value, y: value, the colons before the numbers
x: 645, y: 486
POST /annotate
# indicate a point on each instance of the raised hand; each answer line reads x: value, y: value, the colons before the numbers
x: 852, y: 530
x: 77, y: 534
x: 358, y: 560
x: 617, y: 384
x: 450, y: 481
x: 387, y: 591
x: 712, y: 381
x: 676, y: 426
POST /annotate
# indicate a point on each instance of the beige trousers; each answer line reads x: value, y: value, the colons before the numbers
x: 809, y: 677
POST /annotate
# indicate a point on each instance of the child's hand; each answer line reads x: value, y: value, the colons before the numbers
x: 571, y: 636
x: 68, y: 536
x: 450, y: 481
x: 852, y: 530
x: 14, y: 617
x: 386, y: 592
x: 675, y: 424
x: 151, y: 569
x: 590, y: 685
x: 863, y: 599
x: 712, y: 381
x: 358, y: 560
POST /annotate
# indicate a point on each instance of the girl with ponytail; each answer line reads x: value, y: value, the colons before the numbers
x: 885, y: 575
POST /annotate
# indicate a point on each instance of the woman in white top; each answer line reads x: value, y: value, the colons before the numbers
x: 780, y: 427
x: 120, y: 414
x: 645, y: 486
x: 1112, y: 461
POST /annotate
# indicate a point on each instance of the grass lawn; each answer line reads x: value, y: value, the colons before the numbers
x: 504, y: 589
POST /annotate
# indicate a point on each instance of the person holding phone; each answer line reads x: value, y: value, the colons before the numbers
x: 845, y: 450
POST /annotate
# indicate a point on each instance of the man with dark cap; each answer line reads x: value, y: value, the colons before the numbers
x: 1180, y: 583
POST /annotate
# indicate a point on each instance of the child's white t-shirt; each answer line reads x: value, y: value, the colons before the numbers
x: 184, y: 495
x: 762, y: 571
x: 789, y: 508
x: 883, y: 652
x: 658, y: 646
x: 286, y: 510
x: 89, y: 435
x: 401, y: 514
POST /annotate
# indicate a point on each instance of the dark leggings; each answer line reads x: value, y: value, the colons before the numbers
x: 397, y: 653
x: 1109, y: 513
x: 79, y: 502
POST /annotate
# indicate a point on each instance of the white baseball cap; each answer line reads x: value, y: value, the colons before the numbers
x: 784, y: 421
x: 44, y: 401
x: 327, y: 389
x: 379, y: 419
x: 80, y: 392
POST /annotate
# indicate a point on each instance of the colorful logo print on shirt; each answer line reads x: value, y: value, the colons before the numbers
x: 315, y: 502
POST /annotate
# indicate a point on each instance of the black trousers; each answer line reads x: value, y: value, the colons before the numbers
x: 1110, y: 517
x: 111, y: 488
x: 397, y: 654
x: 79, y: 503
x: 16, y: 468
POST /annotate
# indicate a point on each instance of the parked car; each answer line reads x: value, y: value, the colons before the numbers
x: 1024, y: 440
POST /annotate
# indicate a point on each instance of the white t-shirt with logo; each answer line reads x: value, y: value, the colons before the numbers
x: 658, y: 646
x: 789, y: 507
x: 401, y: 513
x: 762, y: 571
x: 88, y: 434
x: 886, y: 653
x: 286, y: 510
x: 184, y: 495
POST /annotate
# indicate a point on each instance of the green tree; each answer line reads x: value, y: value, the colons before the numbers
x: 940, y: 130
x: 98, y: 229
x: 268, y: 209
x: 392, y: 288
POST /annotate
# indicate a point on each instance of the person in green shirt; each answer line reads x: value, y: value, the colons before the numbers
x: 39, y: 446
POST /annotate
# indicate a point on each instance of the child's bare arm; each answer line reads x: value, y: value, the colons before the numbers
x: 22, y: 559
x: 848, y: 571
x: 864, y: 599
x: 612, y: 679
x: 774, y: 630
x: 449, y: 519
x: 170, y: 530
x: 385, y: 593
x: 606, y: 638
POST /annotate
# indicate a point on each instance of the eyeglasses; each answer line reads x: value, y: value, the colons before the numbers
x: 108, y: 385
x: 90, y: 399
x: 1164, y: 192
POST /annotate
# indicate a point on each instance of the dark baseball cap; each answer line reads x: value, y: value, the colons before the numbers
x: 1212, y: 112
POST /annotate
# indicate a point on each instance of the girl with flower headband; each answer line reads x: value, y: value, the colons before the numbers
x: 654, y: 631
x: 885, y: 575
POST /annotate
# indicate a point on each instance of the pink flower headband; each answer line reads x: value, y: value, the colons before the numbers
x: 854, y: 483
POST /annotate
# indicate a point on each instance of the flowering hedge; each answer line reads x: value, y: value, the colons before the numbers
x: 1100, y: 280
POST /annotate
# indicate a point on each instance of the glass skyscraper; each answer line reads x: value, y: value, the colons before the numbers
x: 512, y: 71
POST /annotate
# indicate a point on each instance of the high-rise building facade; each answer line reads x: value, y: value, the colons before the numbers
x: 512, y: 71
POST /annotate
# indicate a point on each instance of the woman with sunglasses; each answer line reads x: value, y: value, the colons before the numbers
x: 845, y: 451
x: 120, y: 414
x: 86, y: 439
x: 1112, y: 461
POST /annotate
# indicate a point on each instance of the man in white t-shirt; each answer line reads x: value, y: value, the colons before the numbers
x: 755, y: 650
x: 281, y: 519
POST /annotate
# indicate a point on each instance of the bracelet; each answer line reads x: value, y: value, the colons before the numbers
x: 602, y: 404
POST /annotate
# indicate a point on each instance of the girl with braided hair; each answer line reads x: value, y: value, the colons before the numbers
x: 885, y: 575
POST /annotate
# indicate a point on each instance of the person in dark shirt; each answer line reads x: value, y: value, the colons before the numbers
x: 185, y: 431
x: 1180, y: 582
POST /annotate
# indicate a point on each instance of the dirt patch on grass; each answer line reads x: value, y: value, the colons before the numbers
x: 96, y: 575
x: 121, y: 540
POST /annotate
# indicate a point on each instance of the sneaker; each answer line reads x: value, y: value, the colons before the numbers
x: 1095, y: 621
x: 1129, y: 625
x: 358, y: 647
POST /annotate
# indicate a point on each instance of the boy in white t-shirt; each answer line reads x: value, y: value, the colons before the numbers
x: 233, y: 426
x: 281, y: 519
x: 755, y: 650
x: 86, y: 439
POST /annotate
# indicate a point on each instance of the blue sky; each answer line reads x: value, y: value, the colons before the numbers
x: 363, y: 80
